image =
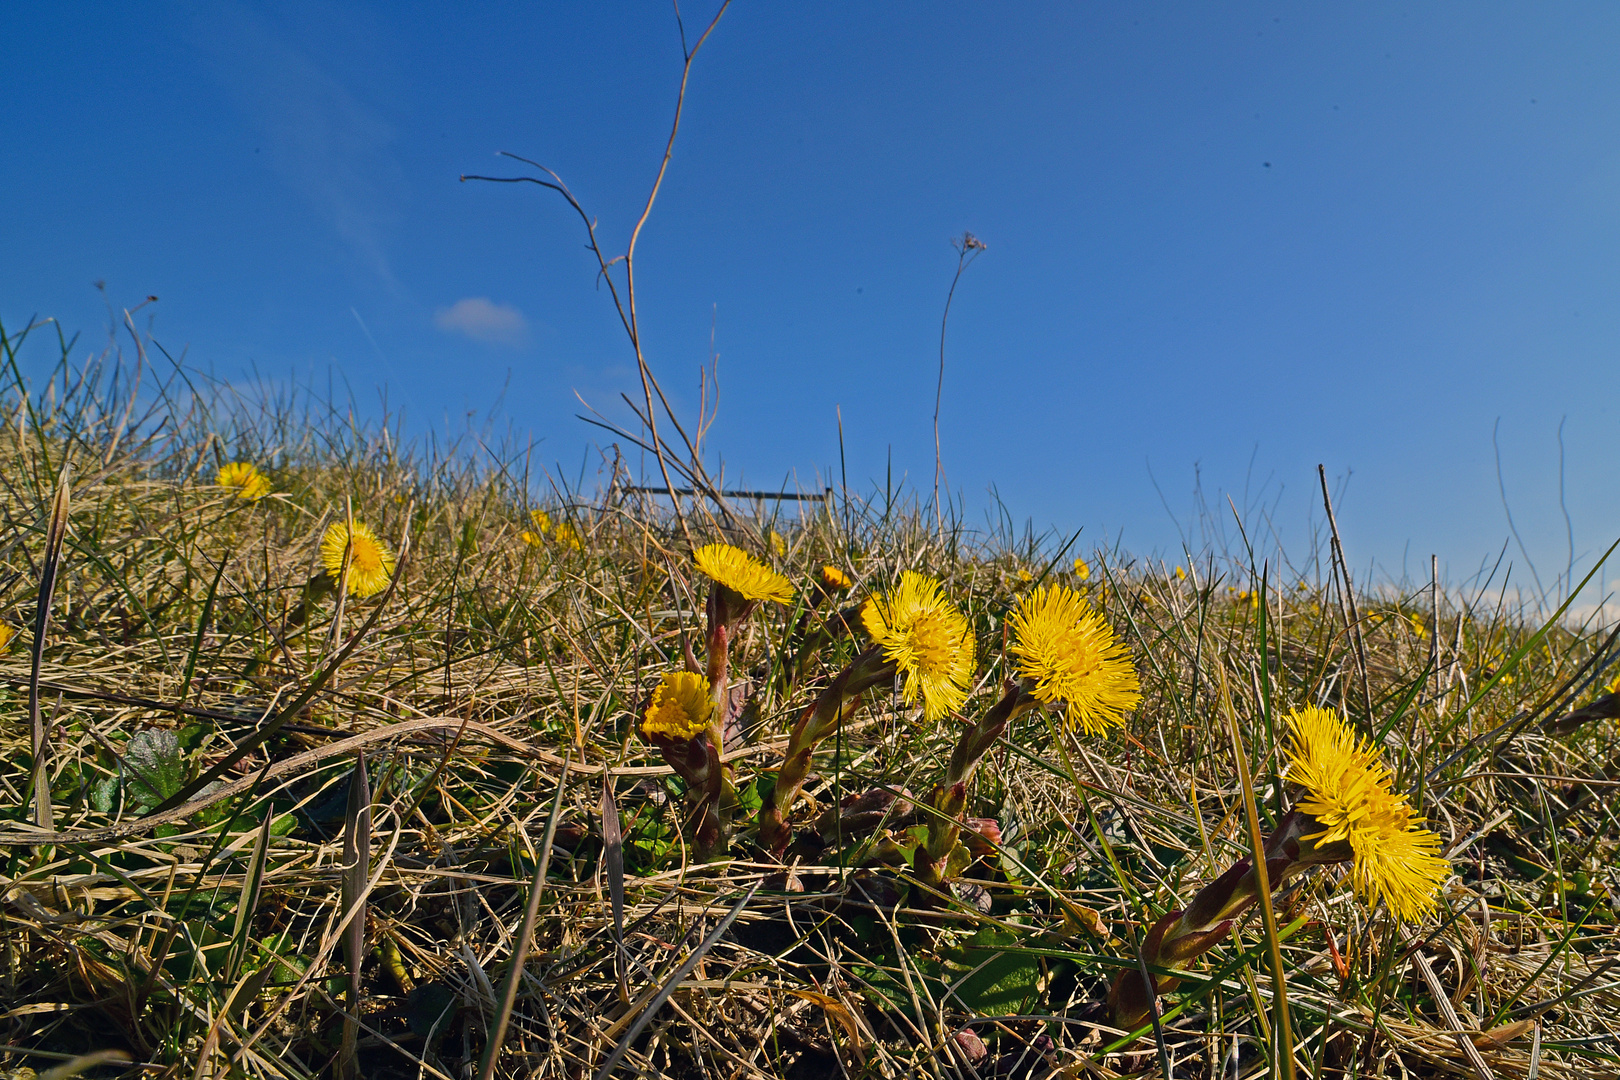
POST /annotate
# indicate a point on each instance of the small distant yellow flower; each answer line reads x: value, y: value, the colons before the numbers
x: 244, y: 480
x: 1506, y: 680
x: 681, y: 706
x: 1181, y: 574
x: 1614, y: 686
x: 1250, y: 598
x: 927, y: 639
x: 834, y: 579
x: 1073, y: 656
x: 1418, y: 628
x: 530, y: 538
x: 1349, y: 792
x: 1082, y: 569
x: 741, y: 573
x: 542, y: 521
x: 7, y: 632
x: 371, y: 564
x: 569, y: 537
x: 778, y: 545
x: 1025, y: 575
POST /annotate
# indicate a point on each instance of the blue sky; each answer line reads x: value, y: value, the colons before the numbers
x: 1225, y: 242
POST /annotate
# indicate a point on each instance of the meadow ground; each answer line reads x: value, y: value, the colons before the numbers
x: 201, y: 879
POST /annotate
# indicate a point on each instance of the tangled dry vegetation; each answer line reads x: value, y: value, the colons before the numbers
x: 299, y: 914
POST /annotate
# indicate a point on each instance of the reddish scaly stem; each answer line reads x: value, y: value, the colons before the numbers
x: 821, y: 719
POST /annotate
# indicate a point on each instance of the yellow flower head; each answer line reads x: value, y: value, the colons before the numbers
x: 778, y: 545
x: 542, y: 521
x: 1072, y: 655
x: 681, y: 706
x: 1349, y: 791
x: 1025, y: 575
x: 927, y: 639
x: 741, y: 573
x: 569, y: 537
x: 1082, y: 569
x: 371, y: 564
x: 1418, y: 628
x: 245, y: 481
x: 7, y: 632
x: 1181, y: 574
x: 530, y: 538
x: 834, y: 579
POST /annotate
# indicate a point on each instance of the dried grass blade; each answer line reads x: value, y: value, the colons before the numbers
x: 520, y: 948
x: 248, y: 902
x: 1449, y: 1014
x: 672, y: 982
x: 55, y: 533
x: 356, y: 867
x: 84, y: 1063
x: 613, y: 864
x: 1283, y: 1036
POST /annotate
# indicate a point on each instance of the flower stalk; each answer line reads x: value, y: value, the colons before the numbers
x: 932, y: 860
x: 916, y: 633
x: 677, y: 722
x: 1348, y: 813
x: 1067, y: 657
x: 819, y: 720
x: 1182, y: 936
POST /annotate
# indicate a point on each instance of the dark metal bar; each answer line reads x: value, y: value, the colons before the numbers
x: 780, y: 496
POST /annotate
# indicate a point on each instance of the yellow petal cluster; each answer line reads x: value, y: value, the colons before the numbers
x: 7, y: 632
x: 681, y: 706
x: 1350, y: 793
x: 1082, y: 569
x: 371, y: 564
x: 244, y: 480
x: 1072, y: 655
x: 927, y: 639
x: 741, y: 573
x: 568, y: 536
x: 834, y: 579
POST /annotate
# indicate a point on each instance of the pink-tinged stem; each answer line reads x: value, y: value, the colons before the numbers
x: 818, y: 721
x: 697, y: 761
x: 1182, y: 936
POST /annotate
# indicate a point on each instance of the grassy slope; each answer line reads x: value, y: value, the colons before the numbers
x: 495, y: 658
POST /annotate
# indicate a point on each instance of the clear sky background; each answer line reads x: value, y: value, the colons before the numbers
x: 1226, y: 242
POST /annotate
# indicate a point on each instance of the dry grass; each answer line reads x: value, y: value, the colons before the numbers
x: 211, y: 943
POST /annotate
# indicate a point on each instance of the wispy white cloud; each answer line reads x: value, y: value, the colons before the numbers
x: 481, y: 319
x: 320, y: 137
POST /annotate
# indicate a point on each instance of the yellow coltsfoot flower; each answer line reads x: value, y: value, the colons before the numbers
x: 1349, y: 793
x: 244, y: 480
x: 1072, y: 655
x: 928, y: 641
x: 1082, y: 569
x: 834, y: 579
x: 681, y: 707
x: 740, y: 572
x: 568, y: 536
x: 371, y: 564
